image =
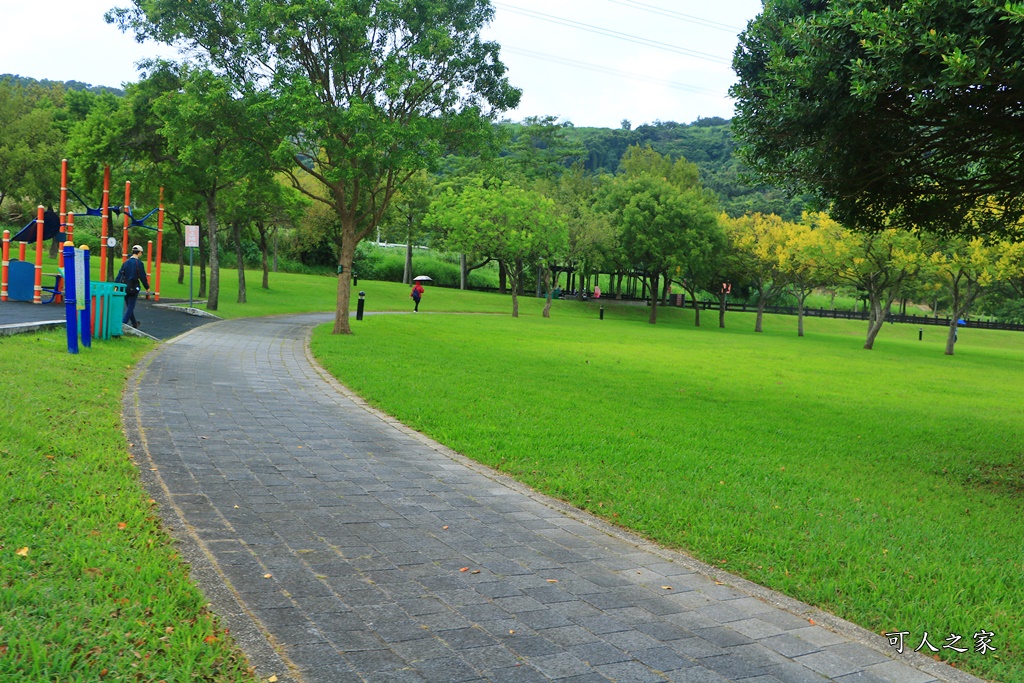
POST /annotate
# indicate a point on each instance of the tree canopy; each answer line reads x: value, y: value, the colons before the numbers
x: 361, y: 94
x: 905, y: 114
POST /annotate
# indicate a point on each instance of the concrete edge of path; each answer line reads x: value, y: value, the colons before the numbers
x: 940, y: 670
x: 246, y: 631
x: 20, y: 328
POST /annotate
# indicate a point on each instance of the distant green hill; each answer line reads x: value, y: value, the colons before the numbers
x: 707, y: 143
x: 25, y: 81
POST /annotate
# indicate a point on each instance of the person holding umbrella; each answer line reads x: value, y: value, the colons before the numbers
x: 417, y: 291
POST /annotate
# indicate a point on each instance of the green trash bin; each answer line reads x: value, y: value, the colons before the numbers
x: 108, y: 307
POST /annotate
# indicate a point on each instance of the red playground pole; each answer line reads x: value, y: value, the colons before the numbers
x: 149, y: 260
x: 63, y: 207
x: 104, y: 224
x: 37, y: 292
x: 159, y: 246
x: 127, y: 219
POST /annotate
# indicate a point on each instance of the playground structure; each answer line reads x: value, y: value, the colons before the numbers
x: 20, y: 281
x: 100, y: 305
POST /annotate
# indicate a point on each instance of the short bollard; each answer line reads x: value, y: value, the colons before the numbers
x: 600, y: 312
x: 920, y: 333
x: 359, y: 306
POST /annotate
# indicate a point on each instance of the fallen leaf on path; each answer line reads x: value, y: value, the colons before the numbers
x: 210, y: 640
x: 552, y: 580
x: 22, y: 551
x: 668, y: 588
x: 122, y: 526
x: 475, y: 571
x: 812, y: 622
x: 464, y: 569
x: 268, y: 576
x: 445, y: 528
x: 272, y: 679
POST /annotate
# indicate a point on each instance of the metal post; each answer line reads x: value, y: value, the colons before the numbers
x: 37, y: 292
x: 85, y: 305
x: 601, y: 312
x: 63, y: 208
x: 6, y: 265
x: 191, y: 252
x: 104, y: 223
x: 149, y: 261
x: 159, y: 247
x: 127, y: 209
x: 920, y: 333
x: 359, y: 306
x: 70, y: 314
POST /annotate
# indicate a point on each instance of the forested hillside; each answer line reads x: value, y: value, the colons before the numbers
x: 25, y: 81
x: 705, y: 142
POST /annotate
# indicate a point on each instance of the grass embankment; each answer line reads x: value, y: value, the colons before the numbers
x: 90, y: 586
x: 882, y: 486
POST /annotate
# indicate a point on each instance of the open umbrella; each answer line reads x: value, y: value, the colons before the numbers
x: 421, y: 278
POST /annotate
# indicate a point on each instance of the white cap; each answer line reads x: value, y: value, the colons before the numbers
x: 136, y: 249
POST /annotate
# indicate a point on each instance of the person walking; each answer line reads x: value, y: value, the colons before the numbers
x: 132, y: 273
x: 417, y: 294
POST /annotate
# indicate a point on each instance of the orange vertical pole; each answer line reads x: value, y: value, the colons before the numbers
x: 127, y: 219
x: 63, y: 206
x: 21, y: 250
x: 159, y: 246
x: 37, y: 291
x: 149, y: 261
x: 104, y: 223
x: 6, y: 263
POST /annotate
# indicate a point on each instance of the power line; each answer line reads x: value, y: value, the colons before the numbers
x: 614, y: 34
x: 607, y: 70
x: 654, y: 9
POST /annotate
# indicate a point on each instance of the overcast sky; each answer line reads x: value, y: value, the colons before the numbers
x: 591, y: 62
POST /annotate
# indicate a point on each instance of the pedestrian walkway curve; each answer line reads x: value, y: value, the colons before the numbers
x: 340, y: 546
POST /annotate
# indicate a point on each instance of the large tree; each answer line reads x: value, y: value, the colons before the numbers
x: 516, y: 227
x: 362, y: 93
x: 893, y: 114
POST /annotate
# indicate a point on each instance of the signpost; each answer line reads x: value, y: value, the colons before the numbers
x: 192, y: 243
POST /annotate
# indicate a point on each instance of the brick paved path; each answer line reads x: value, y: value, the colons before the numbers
x: 264, y: 466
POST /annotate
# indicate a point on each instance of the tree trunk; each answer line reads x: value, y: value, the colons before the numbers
x: 800, y: 315
x: 348, y: 252
x: 236, y: 228
x: 951, y: 337
x: 721, y: 309
x: 513, y: 281
x: 519, y: 277
x: 696, y: 306
x: 463, y: 273
x: 502, y: 278
x: 211, y: 224
x: 762, y: 299
x: 540, y: 281
x: 201, y: 294
x: 275, y: 248
x: 264, y: 254
x: 664, y: 290
x: 181, y: 258
x: 618, y: 285
x: 547, y: 286
x: 876, y: 320
x: 654, y: 298
x: 407, y: 276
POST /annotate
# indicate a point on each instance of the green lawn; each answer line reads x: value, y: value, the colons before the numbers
x: 883, y: 486
x: 90, y: 585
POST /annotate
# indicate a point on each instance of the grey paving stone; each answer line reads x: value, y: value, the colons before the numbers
x: 630, y: 672
x: 827, y: 664
x: 898, y: 672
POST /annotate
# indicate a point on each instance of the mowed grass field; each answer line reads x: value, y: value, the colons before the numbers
x: 91, y: 587
x: 884, y: 486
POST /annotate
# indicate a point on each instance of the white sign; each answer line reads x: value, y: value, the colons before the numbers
x: 80, y: 279
x: 191, y: 235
